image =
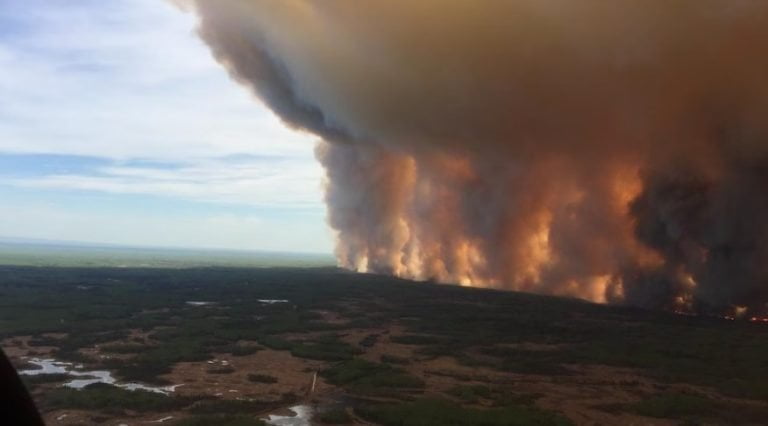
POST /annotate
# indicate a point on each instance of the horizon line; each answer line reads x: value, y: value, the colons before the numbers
x: 93, y: 244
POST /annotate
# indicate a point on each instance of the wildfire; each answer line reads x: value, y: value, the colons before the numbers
x: 737, y: 313
x: 457, y: 148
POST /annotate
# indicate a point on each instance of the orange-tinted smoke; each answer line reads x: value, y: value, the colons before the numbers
x: 614, y: 151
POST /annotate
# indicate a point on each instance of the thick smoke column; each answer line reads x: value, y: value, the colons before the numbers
x: 611, y: 150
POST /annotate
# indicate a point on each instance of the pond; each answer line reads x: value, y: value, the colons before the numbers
x: 83, y: 378
x: 302, y: 417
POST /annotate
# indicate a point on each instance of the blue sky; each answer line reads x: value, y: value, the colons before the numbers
x: 117, y: 126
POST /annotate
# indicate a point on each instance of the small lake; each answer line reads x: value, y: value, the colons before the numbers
x: 302, y: 417
x: 83, y: 378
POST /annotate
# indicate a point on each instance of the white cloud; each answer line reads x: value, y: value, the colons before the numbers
x: 285, y: 183
x: 124, y: 79
x: 127, y: 80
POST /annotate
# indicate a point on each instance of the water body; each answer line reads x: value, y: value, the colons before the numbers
x: 200, y: 303
x: 86, y: 377
x: 302, y: 417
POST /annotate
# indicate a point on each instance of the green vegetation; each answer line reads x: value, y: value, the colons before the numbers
x: 547, y: 363
x: 243, y: 350
x: 229, y: 406
x: 276, y: 343
x: 437, y: 412
x: 415, y: 339
x: 369, y: 340
x: 694, y: 409
x: 392, y: 359
x: 336, y: 416
x: 507, y: 334
x: 675, y: 406
x: 124, y: 348
x: 364, y: 375
x: 497, y: 396
x: 31, y: 382
x: 110, y: 399
x: 327, y: 348
x: 470, y: 393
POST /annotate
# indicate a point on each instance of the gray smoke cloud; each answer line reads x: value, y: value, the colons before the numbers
x: 615, y: 151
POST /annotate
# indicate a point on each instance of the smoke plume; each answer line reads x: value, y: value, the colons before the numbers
x: 611, y: 150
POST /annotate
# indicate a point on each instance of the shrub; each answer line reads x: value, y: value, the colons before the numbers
x: 244, y: 350
x: 46, y: 378
x: 361, y: 373
x: 369, y: 340
x: 392, y: 359
x: 323, y: 351
x: 110, y: 398
x: 438, y: 412
x: 694, y: 409
x: 229, y: 406
x: 220, y: 370
x: 674, y: 406
x: 470, y: 393
x: 336, y: 416
x: 124, y: 348
x: 417, y: 339
x: 32, y: 382
x: 275, y: 343
x: 261, y: 378
x: 220, y: 420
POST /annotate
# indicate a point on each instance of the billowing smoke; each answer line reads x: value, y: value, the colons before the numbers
x: 610, y: 150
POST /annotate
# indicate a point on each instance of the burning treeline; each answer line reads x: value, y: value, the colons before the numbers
x: 610, y: 150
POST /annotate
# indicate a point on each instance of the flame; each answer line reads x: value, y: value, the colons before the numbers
x: 537, y: 250
x: 739, y: 311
